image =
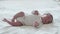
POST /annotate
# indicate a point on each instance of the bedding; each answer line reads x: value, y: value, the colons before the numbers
x: 8, y: 8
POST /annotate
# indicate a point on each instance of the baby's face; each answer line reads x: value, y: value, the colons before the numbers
x: 46, y: 19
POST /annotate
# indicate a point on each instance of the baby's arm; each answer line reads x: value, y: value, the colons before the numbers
x: 35, y: 12
x: 37, y: 23
x: 13, y: 23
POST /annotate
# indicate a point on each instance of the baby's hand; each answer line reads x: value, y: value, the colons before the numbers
x: 35, y: 24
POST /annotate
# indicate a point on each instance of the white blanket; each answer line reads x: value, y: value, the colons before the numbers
x: 9, y: 8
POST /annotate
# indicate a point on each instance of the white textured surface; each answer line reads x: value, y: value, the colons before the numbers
x: 8, y: 8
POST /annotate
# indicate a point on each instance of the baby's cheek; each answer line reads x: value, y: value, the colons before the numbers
x: 44, y: 21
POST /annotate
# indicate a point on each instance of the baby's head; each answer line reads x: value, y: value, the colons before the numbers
x: 35, y: 12
x: 47, y: 18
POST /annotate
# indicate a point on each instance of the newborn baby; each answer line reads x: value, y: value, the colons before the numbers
x: 35, y: 20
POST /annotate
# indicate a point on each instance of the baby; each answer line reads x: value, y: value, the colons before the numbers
x: 35, y: 20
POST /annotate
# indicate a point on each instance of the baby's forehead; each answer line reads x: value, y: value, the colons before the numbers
x: 43, y: 15
x: 46, y: 15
